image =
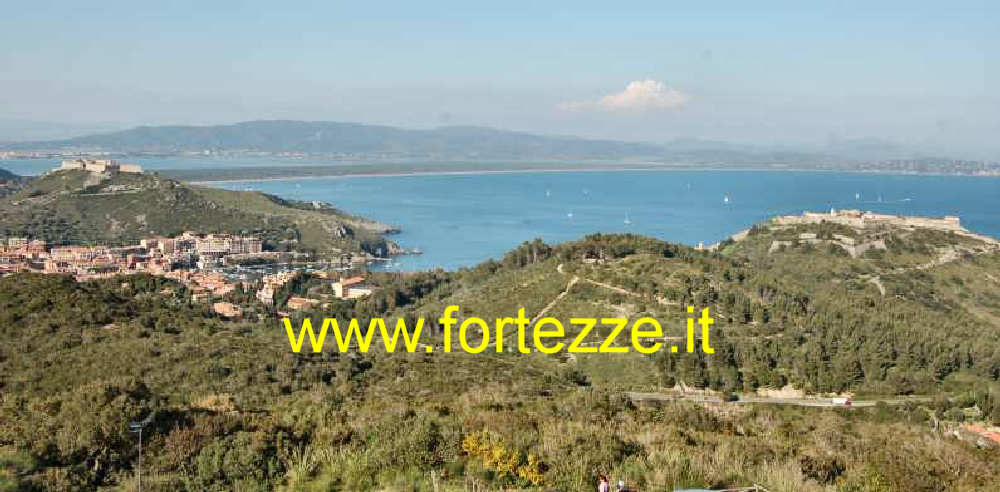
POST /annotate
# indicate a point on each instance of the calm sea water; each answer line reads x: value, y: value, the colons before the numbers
x: 461, y: 220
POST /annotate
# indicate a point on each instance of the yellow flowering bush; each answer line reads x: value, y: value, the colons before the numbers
x: 502, y: 458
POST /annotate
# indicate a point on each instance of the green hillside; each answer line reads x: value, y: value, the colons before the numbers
x: 77, y: 206
x: 809, y: 316
x: 914, y: 326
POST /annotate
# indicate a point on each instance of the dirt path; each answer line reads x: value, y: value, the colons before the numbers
x: 799, y: 402
x: 950, y: 254
x: 627, y: 292
x: 553, y: 302
x: 878, y: 283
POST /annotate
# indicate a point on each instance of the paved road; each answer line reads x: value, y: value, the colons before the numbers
x: 800, y: 402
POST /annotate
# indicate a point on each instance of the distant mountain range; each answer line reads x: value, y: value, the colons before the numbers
x: 361, y: 140
x: 346, y: 138
x: 348, y: 141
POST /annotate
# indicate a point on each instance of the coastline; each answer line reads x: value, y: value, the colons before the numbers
x: 229, y: 170
x: 475, y: 172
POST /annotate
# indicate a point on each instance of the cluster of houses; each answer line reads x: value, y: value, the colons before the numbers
x: 187, y: 259
x: 204, y: 286
x: 343, y: 288
x: 157, y: 255
x: 272, y: 284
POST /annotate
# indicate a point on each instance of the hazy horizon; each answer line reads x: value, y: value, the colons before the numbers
x: 783, y: 73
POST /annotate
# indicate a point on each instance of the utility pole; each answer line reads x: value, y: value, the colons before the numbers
x: 137, y: 427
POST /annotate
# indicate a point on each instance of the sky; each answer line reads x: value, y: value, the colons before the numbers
x: 772, y: 73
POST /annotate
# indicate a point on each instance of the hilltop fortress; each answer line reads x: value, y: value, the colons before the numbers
x: 865, y: 220
x: 872, y: 227
x: 100, y: 166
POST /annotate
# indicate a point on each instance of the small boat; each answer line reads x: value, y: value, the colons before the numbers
x: 569, y: 215
x: 548, y: 193
x: 725, y: 199
x: 857, y: 196
x: 627, y: 221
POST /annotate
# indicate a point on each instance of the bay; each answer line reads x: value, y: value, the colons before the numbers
x: 461, y: 220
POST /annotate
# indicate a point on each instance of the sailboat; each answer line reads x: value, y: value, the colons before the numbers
x: 857, y: 196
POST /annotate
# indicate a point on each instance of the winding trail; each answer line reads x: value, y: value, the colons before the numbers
x: 878, y: 283
x: 799, y: 402
x: 553, y: 302
x: 949, y: 255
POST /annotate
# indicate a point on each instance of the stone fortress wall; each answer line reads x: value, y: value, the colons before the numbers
x: 101, y: 166
x: 862, y: 220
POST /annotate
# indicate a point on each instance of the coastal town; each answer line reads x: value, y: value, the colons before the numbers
x: 198, y: 261
x: 215, y: 268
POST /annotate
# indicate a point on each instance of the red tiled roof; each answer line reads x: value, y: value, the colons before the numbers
x: 352, y: 280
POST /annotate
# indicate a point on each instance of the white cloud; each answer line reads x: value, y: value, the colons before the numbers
x: 639, y: 95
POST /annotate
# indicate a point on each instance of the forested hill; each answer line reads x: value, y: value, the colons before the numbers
x: 352, y: 138
x: 73, y: 206
x: 232, y: 408
x: 918, y: 312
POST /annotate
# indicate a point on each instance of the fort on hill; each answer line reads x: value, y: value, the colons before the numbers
x: 863, y: 220
x: 100, y: 166
x: 870, y: 229
x: 866, y: 219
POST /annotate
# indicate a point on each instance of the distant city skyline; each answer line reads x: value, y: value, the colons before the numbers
x: 772, y: 73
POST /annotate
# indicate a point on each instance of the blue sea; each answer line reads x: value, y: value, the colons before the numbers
x: 461, y: 220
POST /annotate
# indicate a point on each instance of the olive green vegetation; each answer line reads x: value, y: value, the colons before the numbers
x: 81, y: 207
x: 234, y: 408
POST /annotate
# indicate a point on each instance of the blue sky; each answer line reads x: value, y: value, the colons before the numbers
x: 768, y: 72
